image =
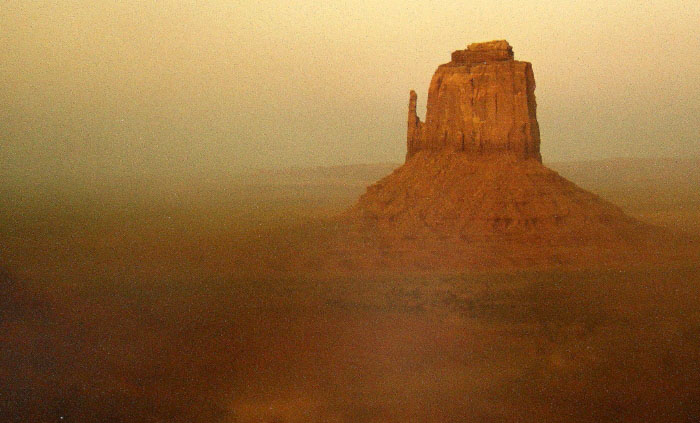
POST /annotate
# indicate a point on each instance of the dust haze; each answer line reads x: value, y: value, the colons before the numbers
x: 165, y: 311
x: 94, y: 93
x: 171, y: 175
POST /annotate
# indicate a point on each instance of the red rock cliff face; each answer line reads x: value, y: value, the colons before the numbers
x: 481, y: 102
x: 474, y: 193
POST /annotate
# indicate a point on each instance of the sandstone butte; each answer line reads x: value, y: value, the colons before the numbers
x: 473, y: 191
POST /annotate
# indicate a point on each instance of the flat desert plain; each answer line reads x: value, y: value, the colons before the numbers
x: 138, y: 303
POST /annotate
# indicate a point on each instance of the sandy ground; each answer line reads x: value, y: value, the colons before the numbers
x: 140, y: 312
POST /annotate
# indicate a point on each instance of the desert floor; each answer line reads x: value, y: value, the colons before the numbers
x: 131, y: 305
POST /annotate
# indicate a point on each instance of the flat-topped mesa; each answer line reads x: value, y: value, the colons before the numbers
x: 481, y: 103
x: 492, y: 51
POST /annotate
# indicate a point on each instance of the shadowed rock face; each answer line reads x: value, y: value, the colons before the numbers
x: 481, y: 102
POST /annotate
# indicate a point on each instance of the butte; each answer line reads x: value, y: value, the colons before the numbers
x: 473, y: 192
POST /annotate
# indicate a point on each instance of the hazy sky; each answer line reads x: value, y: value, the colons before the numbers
x: 106, y: 89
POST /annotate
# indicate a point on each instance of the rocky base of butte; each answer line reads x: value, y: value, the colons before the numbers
x: 474, y: 193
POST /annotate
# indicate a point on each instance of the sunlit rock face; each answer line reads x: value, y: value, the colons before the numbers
x: 481, y: 103
x: 474, y: 193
